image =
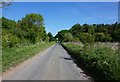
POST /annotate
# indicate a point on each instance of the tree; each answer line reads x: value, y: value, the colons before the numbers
x: 86, y: 38
x: 28, y: 30
x: 61, y: 35
x: 5, y: 3
x: 9, y: 36
x: 90, y: 33
x: 68, y: 37
x: 85, y: 28
x: 51, y: 38
x: 8, y: 24
x: 32, y: 24
x: 75, y: 29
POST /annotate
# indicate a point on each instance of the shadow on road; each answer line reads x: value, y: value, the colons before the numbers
x: 66, y: 58
x: 80, y: 65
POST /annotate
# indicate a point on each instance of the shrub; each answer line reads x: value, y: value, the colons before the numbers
x: 101, y: 61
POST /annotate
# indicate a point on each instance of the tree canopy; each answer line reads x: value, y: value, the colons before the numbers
x: 90, y: 33
x: 30, y: 29
x: 5, y: 3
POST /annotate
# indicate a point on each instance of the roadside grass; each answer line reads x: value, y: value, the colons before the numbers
x: 0, y: 67
x: 101, y: 61
x: 14, y: 56
x: 0, y: 60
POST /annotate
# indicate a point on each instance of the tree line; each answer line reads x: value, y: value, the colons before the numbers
x: 91, y: 33
x: 29, y: 30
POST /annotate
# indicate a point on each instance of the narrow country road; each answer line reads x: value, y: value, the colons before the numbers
x: 53, y: 63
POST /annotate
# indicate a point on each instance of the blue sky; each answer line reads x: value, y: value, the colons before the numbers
x: 63, y: 15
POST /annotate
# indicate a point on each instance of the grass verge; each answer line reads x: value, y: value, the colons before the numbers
x: 14, y: 56
x: 103, y: 62
x: 0, y: 66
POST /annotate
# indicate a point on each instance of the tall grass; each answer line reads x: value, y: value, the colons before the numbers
x: 103, y: 62
x: 14, y: 56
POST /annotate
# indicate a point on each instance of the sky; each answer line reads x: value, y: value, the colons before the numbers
x: 63, y: 15
x: 119, y: 12
x: 65, y: 0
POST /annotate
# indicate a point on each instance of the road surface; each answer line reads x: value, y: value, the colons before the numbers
x: 53, y: 63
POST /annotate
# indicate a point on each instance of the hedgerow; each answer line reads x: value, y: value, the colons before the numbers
x: 103, y: 62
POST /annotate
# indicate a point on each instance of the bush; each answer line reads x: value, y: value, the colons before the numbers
x: 86, y: 38
x: 9, y: 40
x: 101, y: 61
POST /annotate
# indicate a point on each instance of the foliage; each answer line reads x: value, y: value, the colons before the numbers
x: 64, y: 36
x: 14, y: 56
x: 51, y: 38
x: 75, y: 29
x: 102, y: 37
x: 9, y: 40
x: 101, y: 61
x: 22, y: 39
x: 33, y: 25
x: 95, y: 32
x: 30, y: 29
x: 86, y: 38
x: 5, y: 3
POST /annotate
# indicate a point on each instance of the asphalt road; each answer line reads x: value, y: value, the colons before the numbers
x: 53, y: 63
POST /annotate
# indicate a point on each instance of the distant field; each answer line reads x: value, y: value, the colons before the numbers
x: 14, y: 56
x: 113, y: 45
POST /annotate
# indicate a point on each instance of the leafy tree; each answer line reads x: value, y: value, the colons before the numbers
x: 99, y: 32
x: 75, y: 29
x: 4, y: 3
x: 86, y: 38
x: 60, y: 35
x: 68, y: 37
x: 51, y: 38
x: 9, y: 37
x: 32, y: 24
x: 8, y: 24
x: 41, y: 35
x: 84, y: 28
x: 30, y: 29
x: 64, y: 36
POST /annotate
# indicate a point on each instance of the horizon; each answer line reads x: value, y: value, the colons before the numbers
x: 67, y: 13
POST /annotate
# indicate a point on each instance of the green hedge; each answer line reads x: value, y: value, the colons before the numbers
x: 101, y: 61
